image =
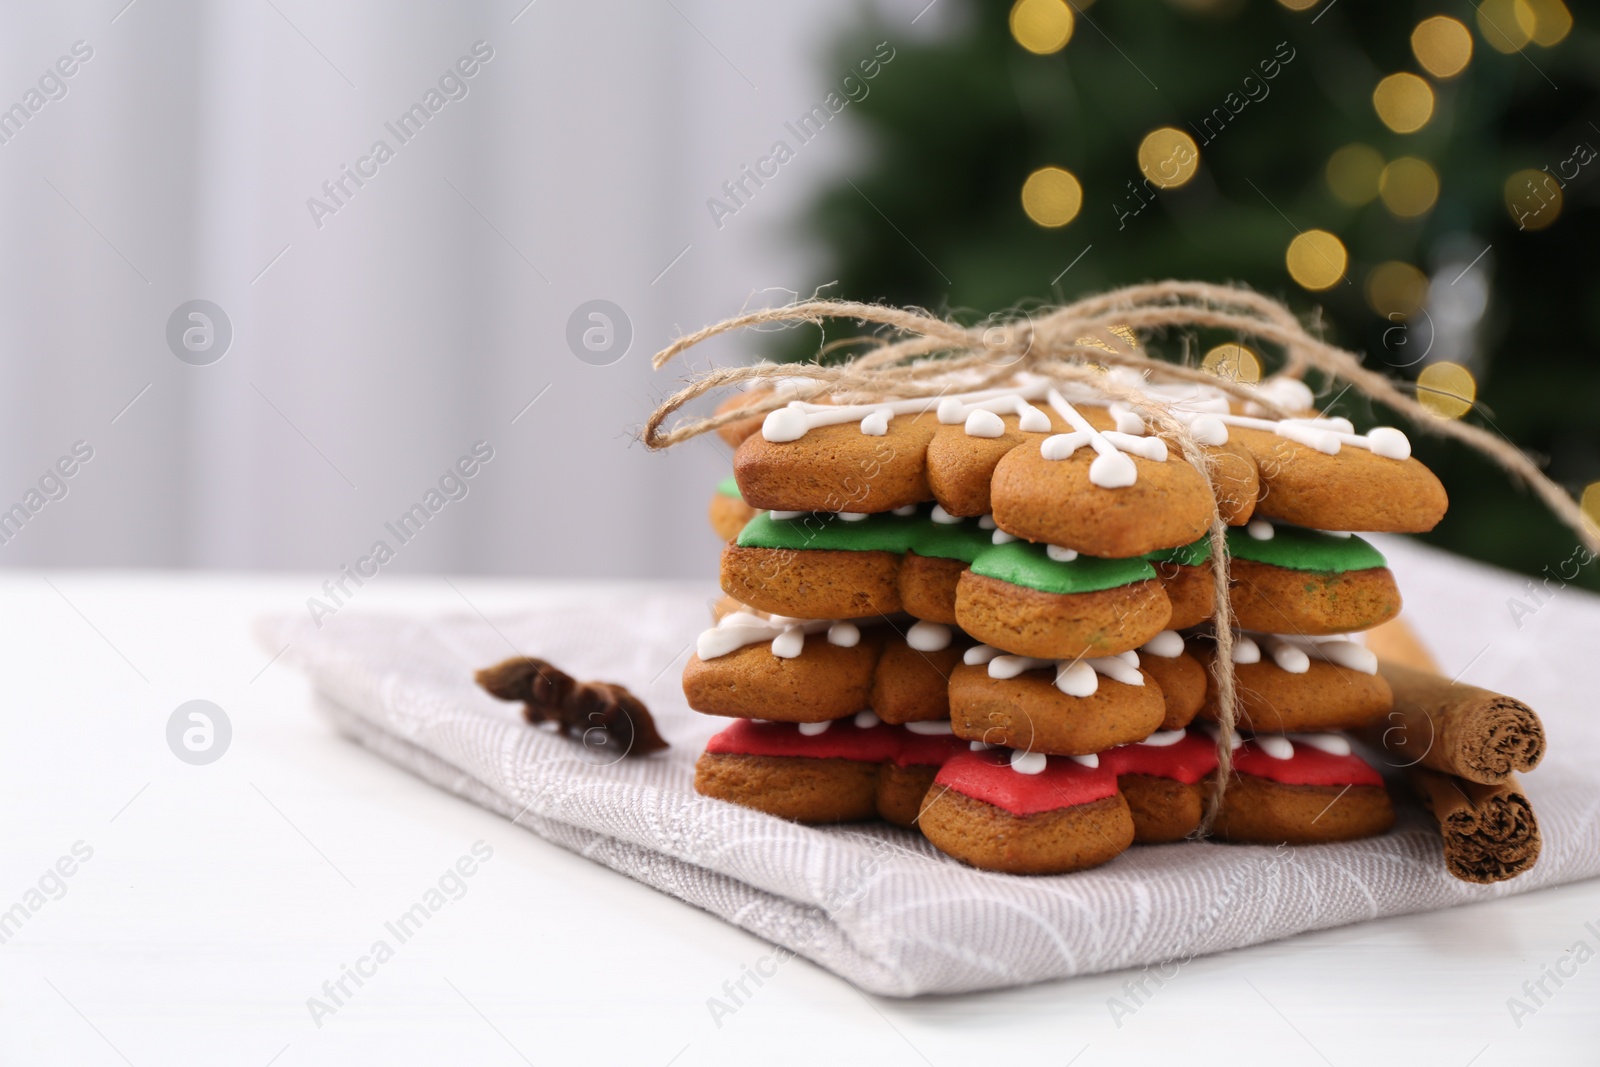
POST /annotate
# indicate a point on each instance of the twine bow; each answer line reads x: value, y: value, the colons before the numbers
x: 922, y: 355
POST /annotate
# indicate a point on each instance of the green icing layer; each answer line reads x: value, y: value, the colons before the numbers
x: 729, y: 486
x: 1190, y: 555
x: 1299, y: 549
x: 1017, y: 562
x: 1021, y: 563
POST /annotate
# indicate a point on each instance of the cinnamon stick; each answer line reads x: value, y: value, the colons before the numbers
x: 1458, y: 729
x: 1490, y: 833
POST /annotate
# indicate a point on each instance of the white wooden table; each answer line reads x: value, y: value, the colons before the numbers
x: 219, y: 898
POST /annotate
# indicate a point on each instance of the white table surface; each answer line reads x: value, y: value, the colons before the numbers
x: 219, y: 899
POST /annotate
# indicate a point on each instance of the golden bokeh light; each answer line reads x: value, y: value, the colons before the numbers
x: 1551, y: 22
x: 1042, y: 26
x: 1507, y: 25
x: 1590, y: 502
x: 1353, y: 174
x: 1298, y: 5
x: 1442, y: 45
x: 1052, y: 197
x: 1533, y: 199
x: 1168, y: 157
x: 1446, y: 389
x: 1236, y: 363
x: 1404, y: 102
x: 1409, y: 187
x: 1396, y: 289
x: 1316, y: 260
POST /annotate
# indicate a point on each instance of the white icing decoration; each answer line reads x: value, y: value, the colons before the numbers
x: 1111, y: 469
x: 1164, y: 738
x: 986, y: 522
x: 975, y: 746
x: 1260, y: 530
x: 1388, y: 442
x: 877, y: 423
x: 928, y: 637
x: 1059, y: 554
x: 932, y: 728
x: 1294, y: 652
x: 1337, y: 533
x: 1208, y: 430
x: 814, y: 729
x: 852, y: 516
x: 1028, y: 762
x: 905, y: 512
x: 1291, y: 394
x: 979, y: 654
x: 866, y: 720
x: 1275, y: 745
x: 1091, y: 760
x: 786, y: 516
x: 983, y: 423
x: 1332, y: 744
x: 1000, y: 537
x: 1168, y: 644
x: 1245, y: 650
x: 1288, y: 657
x: 1216, y: 735
x: 741, y: 628
x: 943, y: 517
x: 1076, y: 678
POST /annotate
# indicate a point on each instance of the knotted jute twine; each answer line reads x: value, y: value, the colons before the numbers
x: 915, y: 354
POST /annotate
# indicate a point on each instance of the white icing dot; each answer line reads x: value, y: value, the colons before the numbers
x: 1062, y: 445
x: 981, y: 423
x: 1216, y: 734
x: 1332, y: 744
x: 1028, y: 762
x: 979, y: 746
x: 1246, y: 650
x: 844, y: 634
x: 1163, y: 738
x: 784, y: 424
x: 1168, y: 644
x: 1077, y: 679
x: 762, y: 722
x: 852, y: 516
x: 866, y: 720
x: 1000, y: 537
x: 949, y: 411
x: 877, y: 423
x: 986, y: 522
x: 1060, y: 554
x: 928, y: 637
x: 1337, y: 533
x: 1275, y: 745
x: 1260, y: 530
x: 906, y: 512
x: 1388, y: 442
x: 790, y: 643
x: 1289, y: 658
x: 979, y: 654
x: 1003, y: 667
x: 1032, y: 420
x: 787, y: 516
x: 1128, y: 422
x: 1113, y: 470
x: 813, y: 729
x: 943, y: 517
x: 1208, y: 430
x: 1091, y: 760
x: 931, y: 728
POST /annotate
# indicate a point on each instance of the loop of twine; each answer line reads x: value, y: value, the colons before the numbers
x: 922, y: 355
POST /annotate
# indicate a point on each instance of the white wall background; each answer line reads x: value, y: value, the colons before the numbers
x: 424, y: 314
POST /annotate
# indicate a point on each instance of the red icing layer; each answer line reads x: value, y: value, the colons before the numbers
x: 1064, y: 783
x: 1187, y: 761
x: 927, y: 750
x: 1308, y: 766
x: 841, y: 740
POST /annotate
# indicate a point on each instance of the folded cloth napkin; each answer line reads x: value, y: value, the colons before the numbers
x: 878, y: 905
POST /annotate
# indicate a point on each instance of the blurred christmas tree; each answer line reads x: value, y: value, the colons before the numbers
x: 1421, y: 176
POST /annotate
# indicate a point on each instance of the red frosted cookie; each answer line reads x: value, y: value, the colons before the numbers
x: 1302, y: 789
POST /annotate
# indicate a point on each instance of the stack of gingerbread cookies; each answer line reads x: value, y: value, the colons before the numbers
x: 989, y: 616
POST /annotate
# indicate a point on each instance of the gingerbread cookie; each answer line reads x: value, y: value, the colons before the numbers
x: 1026, y: 813
x: 728, y: 512
x: 1302, y: 789
x: 1285, y: 682
x: 1287, y: 580
x: 1163, y: 779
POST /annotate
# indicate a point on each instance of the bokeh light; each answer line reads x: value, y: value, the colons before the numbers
x: 1052, y: 197
x: 1551, y: 22
x: 1409, y: 187
x: 1042, y: 26
x: 1590, y: 502
x: 1507, y: 25
x: 1446, y: 389
x: 1404, y: 102
x: 1353, y: 174
x: 1298, y: 5
x: 1168, y: 157
x: 1442, y: 45
x: 1396, y: 289
x: 1316, y: 260
x: 1533, y: 198
x: 1236, y: 363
